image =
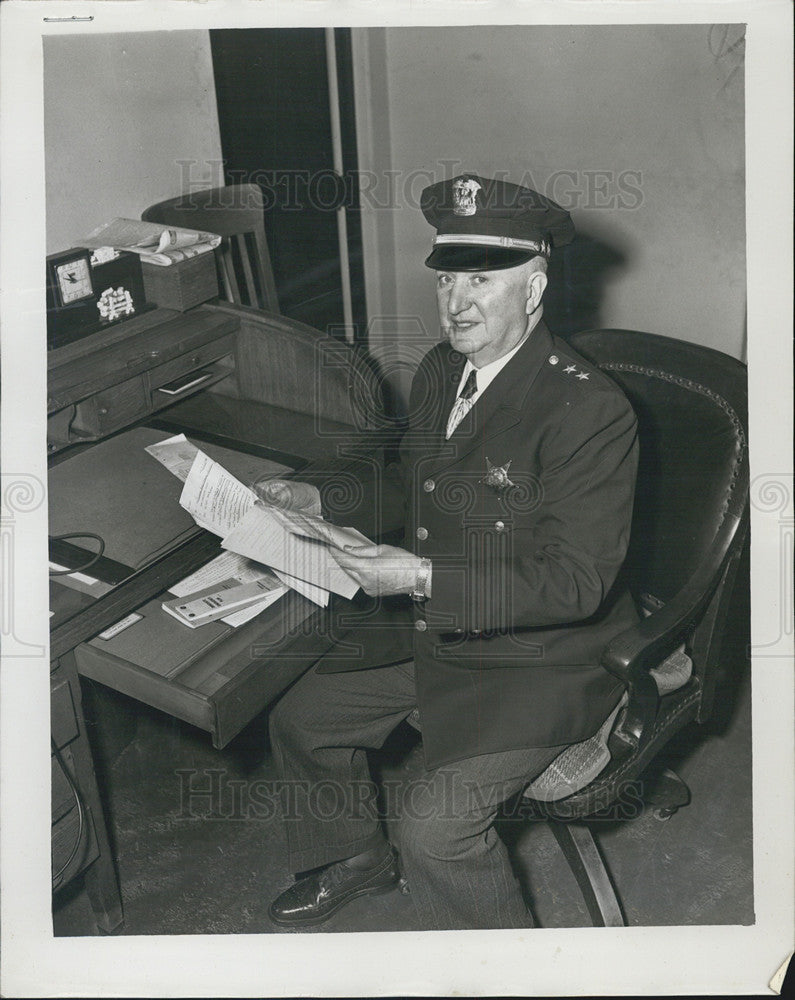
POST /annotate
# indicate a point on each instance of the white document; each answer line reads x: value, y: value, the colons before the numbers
x: 238, y: 618
x: 218, y: 502
x: 230, y: 565
x: 309, y: 590
x: 261, y: 536
x: 312, y: 526
x: 214, y: 498
x: 177, y: 454
x: 227, y: 566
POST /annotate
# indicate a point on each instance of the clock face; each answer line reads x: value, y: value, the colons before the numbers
x: 74, y: 280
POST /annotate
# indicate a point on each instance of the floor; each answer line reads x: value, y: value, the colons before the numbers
x: 211, y: 863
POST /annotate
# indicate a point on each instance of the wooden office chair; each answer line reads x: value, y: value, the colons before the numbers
x: 235, y: 213
x: 688, y: 530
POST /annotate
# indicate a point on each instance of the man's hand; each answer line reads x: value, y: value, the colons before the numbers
x: 289, y: 495
x: 379, y: 569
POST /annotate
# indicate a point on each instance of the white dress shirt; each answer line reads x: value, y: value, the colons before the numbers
x: 485, y: 376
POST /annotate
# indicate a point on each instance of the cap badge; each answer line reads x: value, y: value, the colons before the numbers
x: 464, y: 191
x: 497, y: 475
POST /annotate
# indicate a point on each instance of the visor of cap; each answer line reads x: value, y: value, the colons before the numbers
x: 453, y: 257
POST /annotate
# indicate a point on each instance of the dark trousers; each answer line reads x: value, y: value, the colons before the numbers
x: 457, y: 867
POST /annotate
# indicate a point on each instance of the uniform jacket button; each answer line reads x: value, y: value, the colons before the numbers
x: 420, y: 625
x: 429, y: 486
x: 474, y: 632
x: 422, y: 534
x: 499, y: 526
x: 553, y: 359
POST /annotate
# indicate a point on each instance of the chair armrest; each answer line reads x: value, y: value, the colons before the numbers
x: 632, y: 654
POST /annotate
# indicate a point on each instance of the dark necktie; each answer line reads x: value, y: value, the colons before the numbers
x: 463, y: 403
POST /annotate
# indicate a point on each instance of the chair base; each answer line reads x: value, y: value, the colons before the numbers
x: 667, y: 793
x: 583, y: 857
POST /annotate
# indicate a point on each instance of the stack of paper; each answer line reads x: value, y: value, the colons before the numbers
x: 234, y: 569
x: 224, y: 600
x: 155, y: 244
x: 293, y: 545
x: 262, y: 535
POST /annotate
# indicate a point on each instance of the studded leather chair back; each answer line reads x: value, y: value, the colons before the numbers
x: 691, y: 406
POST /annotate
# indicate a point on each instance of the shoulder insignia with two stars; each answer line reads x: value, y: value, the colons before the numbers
x: 572, y: 370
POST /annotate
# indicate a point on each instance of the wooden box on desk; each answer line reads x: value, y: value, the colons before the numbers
x: 181, y: 286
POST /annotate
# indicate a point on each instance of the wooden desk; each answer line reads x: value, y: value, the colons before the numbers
x: 96, y: 386
x: 113, y: 379
x: 79, y: 834
x: 105, y: 386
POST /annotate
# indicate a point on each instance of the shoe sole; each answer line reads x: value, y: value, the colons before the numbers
x: 375, y: 890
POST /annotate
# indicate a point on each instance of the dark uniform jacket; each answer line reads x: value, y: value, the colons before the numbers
x: 525, y: 586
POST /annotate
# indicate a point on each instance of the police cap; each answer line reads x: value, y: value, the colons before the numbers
x: 487, y: 225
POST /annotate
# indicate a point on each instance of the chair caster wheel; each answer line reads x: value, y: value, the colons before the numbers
x: 667, y: 794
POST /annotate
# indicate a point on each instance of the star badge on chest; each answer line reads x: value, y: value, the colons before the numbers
x: 497, y: 475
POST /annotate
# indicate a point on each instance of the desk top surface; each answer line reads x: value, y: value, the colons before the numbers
x: 116, y: 490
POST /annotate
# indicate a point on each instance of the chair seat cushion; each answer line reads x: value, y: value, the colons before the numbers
x: 580, y: 763
x: 674, y: 672
x: 577, y: 765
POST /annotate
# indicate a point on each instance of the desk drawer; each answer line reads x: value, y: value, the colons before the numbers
x: 215, y: 677
x: 186, y: 363
x: 113, y: 408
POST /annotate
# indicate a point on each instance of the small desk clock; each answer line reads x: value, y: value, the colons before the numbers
x: 83, y: 298
x: 73, y: 278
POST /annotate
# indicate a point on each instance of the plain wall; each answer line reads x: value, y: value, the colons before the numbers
x: 120, y: 112
x: 661, y: 105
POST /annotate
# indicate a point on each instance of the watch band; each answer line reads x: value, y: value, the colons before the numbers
x: 423, y: 572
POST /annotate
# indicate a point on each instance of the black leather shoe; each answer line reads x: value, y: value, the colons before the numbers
x: 316, y: 897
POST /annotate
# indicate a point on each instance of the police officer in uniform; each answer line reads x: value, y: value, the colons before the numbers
x: 517, y: 476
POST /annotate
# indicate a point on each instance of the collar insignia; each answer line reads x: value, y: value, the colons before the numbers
x: 497, y: 475
x: 464, y: 191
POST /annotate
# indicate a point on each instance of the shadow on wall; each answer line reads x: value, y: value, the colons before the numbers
x: 578, y: 275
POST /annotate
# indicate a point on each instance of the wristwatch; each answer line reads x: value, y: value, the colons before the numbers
x: 421, y: 582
